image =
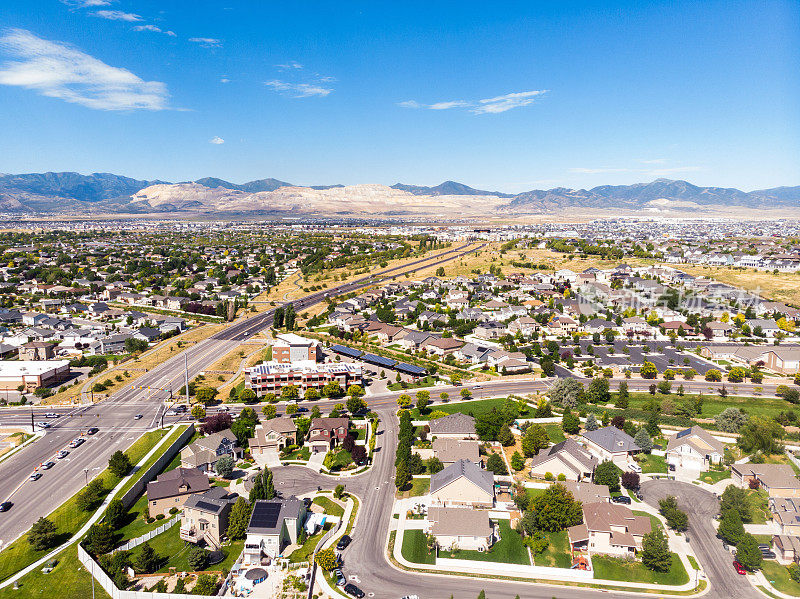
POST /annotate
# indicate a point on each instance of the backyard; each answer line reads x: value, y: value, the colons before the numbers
x: 616, y: 568
x: 175, y: 552
x: 557, y: 554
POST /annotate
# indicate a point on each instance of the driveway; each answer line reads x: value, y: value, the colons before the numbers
x: 701, y: 506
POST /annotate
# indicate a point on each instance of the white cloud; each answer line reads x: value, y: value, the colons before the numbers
x: 486, y: 106
x: 291, y: 65
x: 117, y: 15
x: 86, y: 3
x: 58, y: 70
x: 154, y: 29
x: 507, y: 102
x: 298, y: 90
x: 447, y: 105
x: 216, y: 140
x: 206, y: 42
x: 224, y: 80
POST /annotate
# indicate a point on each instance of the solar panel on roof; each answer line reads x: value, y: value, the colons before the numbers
x: 683, y: 433
x: 265, y: 515
x: 204, y: 505
x: 378, y: 360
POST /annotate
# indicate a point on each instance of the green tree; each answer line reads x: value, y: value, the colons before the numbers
x: 566, y: 392
x: 402, y: 476
x: 713, y: 375
x: 119, y: 464
x: 591, y: 422
x: 517, y: 461
x: 355, y: 391
x: 205, y: 395
x: 676, y: 519
x: 731, y: 529
x: 607, y: 473
x: 239, y: 519
x: 147, y: 560
x: 570, y: 423
x: 735, y: 498
x: 496, y: 464
x: 206, y: 584
x: 289, y: 392
x: 326, y: 559
x: 249, y: 396
x: 42, y: 535
x: 655, y: 551
x: 748, y: 553
x: 90, y: 496
x: 198, y: 412
x: 642, y: 439
x: 730, y: 420
x: 598, y: 391
x: 534, y: 439
x: 761, y: 434
x: 355, y: 403
x: 198, y: 558
x: 269, y: 411
x: 100, y: 539
x: 556, y: 509
x: 115, y: 513
x: 648, y: 370
x: 434, y: 465
x: 623, y: 396
x: 224, y: 466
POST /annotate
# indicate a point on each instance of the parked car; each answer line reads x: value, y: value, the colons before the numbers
x: 62, y: 454
x: 621, y: 499
x: 739, y: 568
x: 343, y: 542
x: 633, y: 467
x: 35, y: 476
x: 353, y: 590
x: 48, y: 465
x: 5, y: 506
x: 671, y: 467
x: 92, y: 430
x: 340, y: 579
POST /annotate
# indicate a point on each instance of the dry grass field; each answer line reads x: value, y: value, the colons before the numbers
x: 782, y: 287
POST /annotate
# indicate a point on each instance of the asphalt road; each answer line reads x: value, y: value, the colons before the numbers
x: 115, y: 416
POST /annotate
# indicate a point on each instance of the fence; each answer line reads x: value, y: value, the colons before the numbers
x: 146, y: 537
x: 132, y: 494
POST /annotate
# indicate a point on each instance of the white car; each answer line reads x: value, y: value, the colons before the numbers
x: 43, y: 424
x: 633, y: 467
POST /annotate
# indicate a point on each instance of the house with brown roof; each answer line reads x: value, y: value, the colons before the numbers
x: 787, y: 548
x: 694, y: 449
x: 449, y: 450
x: 173, y: 488
x: 204, y: 453
x: 460, y: 528
x: 326, y: 433
x: 567, y: 458
x: 777, y: 479
x: 442, y: 346
x: 275, y: 433
x: 610, y: 529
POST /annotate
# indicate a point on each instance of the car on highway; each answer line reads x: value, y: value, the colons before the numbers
x: 52, y: 415
x: 344, y: 542
x: 62, y: 454
x: 138, y: 417
x: 35, y: 476
x: 48, y: 465
x: 353, y: 590
x: 340, y: 579
x: 739, y: 568
x: 77, y: 442
x: 43, y: 424
x: 5, y: 506
x: 92, y: 430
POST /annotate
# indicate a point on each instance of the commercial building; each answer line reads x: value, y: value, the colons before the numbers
x: 32, y: 374
x: 271, y: 377
x: 294, y: 348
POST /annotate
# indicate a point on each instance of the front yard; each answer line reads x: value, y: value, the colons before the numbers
x: 714, y: 476
x: 652, y: 463
x: 415, y: 548
x: 331, y: 508
x: 778, y: 576
x: 508, y: 550
x: 617, y: 568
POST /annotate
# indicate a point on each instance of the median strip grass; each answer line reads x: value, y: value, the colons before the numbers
x: 67, y: 517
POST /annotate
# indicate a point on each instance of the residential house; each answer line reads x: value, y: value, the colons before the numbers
x: 787, y: 548
x: 274, y: 525
x: 567, y: 458
x: 205, y: 517
x: 612, y: 444
x: 587, y: 492
x: 450, y: 450
x: 460, y: 528
x: 326, y: 433
x: 454, y: 426
x: 204, y: 453
x: 609, y: 528
x: 777, y: 479
x: 463, y: 483
x: 694, y: 449
x: 173, y: 488
x: 37, y: 350
x: 442, y: 347
x: 276, y: 433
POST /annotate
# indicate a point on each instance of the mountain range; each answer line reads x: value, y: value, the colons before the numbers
x: 109, y: 193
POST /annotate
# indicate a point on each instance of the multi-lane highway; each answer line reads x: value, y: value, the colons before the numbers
x: 115, y: 416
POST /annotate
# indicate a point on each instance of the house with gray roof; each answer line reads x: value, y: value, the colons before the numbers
x: 610, y: 444
x: 173, y: 488
x: 462, y: 484
x: 274, y: 525
x: 204, y: 453
x: 455, y: 426
x: 460, y: 528
x: 567, y: 458
x: 450, y: 450
x: 205, y: 517
x: 694, y: 449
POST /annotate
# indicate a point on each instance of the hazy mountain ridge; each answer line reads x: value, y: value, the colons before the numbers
x: 109, y: 193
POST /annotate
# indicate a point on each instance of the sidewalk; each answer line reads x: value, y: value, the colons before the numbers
x: 758, y: 579
x: 95, y: 517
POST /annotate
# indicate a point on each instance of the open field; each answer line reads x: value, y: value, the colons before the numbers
x: 782, y: 287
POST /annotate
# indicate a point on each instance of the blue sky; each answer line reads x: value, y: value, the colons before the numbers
x: 503, y: 96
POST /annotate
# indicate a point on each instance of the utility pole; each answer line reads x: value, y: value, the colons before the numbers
x: 33, y: 428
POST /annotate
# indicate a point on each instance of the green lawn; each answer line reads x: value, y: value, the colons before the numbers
x: 652, y: 463
x: 334, y: 509
x: 427, y: 381
x: 713, y: 404
x: 714, y: 476
x: 175, y: 552
x: 415, y: 548
x: 758, y: 506
x: 135, y: 525
x: 360, y: 433
x: 778, y: 576
x: 475, y: 406
x: 303, y: 553
x: 555, y: 432
x: 420, y: 486
x: 67, y: 517
x: 615, y: 568
x: 533, y: 493
x: 301, y: 453
x: 557, y: 554
x: 693, y: 562
x: 508, y: 550
x: 70, y: 578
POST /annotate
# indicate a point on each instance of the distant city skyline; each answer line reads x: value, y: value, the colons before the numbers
x: 509, y: 98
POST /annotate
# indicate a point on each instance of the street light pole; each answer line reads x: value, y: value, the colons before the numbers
x: 86, y: 476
